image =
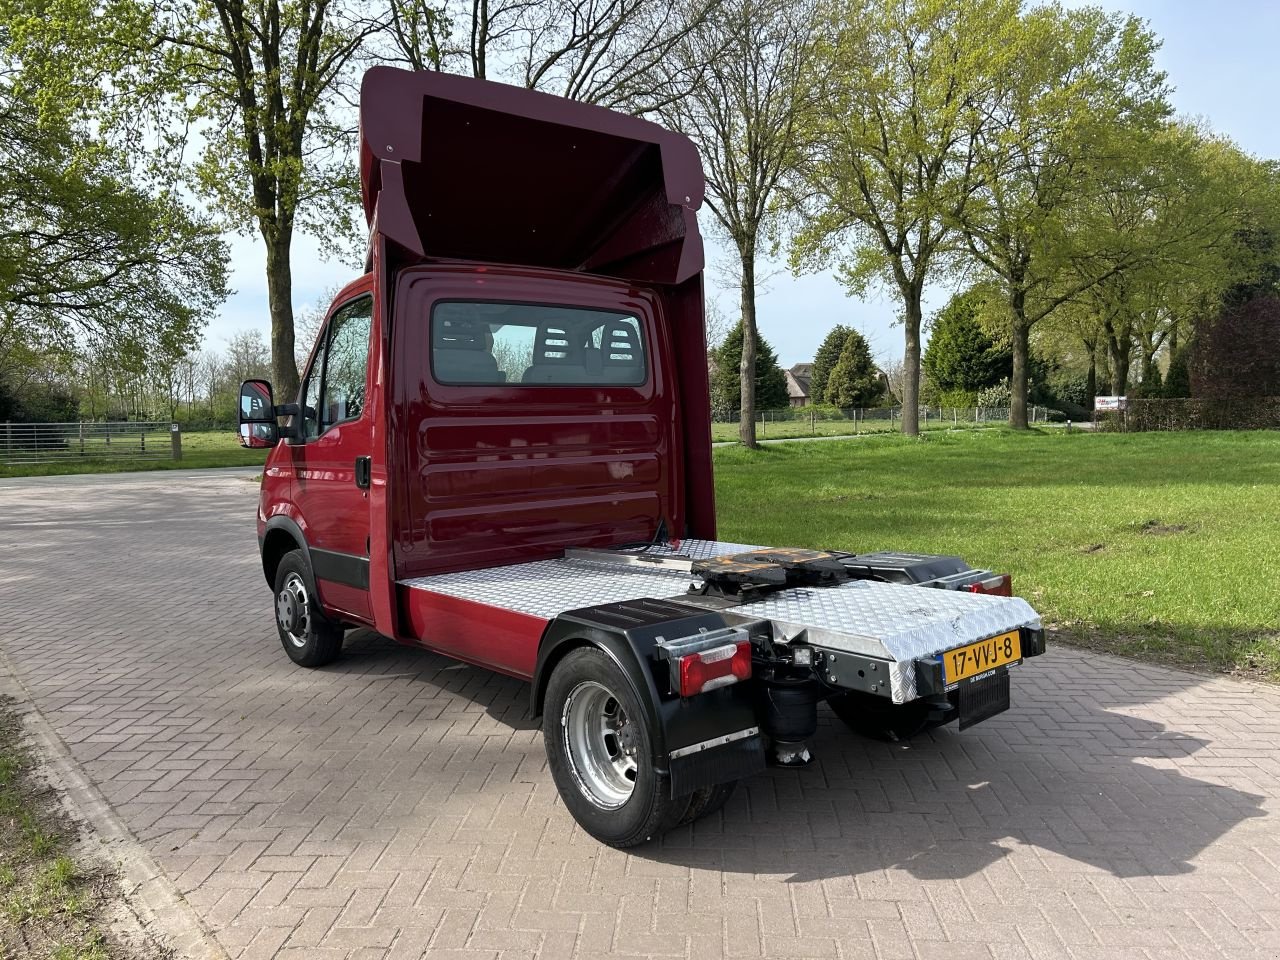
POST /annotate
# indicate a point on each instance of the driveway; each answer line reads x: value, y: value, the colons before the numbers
x: 398, y: 804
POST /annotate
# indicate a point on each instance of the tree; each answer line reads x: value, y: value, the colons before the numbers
x: 258, y: 92
x: 854, y: 380
x: 827, y: 357
x: 961, y: 355
x: 87, y: 249
x: 1237, y: 353
x: 616, y: 54
x: 743, y: 116
x: 889, y: 152
x: 769, y: 383
x: 1077, y: 90
x: 1177, y: 381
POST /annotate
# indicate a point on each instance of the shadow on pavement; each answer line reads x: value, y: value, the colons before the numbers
x: 1066, y: 771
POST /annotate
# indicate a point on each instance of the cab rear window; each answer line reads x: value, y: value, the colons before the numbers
x: 476, y: 342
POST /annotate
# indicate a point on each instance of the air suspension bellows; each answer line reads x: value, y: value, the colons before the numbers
x: 789, y: 715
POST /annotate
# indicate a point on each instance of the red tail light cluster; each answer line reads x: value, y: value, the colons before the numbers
x: 717, y: 667
x: 997, y: 586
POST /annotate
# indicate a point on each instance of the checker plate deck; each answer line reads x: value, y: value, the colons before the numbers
x: 892, y: 621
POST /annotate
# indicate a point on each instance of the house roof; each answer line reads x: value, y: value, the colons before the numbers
x: 799, y: 380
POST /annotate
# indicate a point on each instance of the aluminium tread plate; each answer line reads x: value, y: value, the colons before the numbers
x: 547, y: 588
x: 895, y: 622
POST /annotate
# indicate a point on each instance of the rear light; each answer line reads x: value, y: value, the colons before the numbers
x: 997, y: 586
x: 717, y: 667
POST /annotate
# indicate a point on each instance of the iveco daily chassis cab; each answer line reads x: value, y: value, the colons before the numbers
x: 501, y: 452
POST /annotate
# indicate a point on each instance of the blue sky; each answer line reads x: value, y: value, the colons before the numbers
x: 1222, y: 61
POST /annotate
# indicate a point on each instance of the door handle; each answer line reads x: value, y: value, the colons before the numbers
x: 364, y: 469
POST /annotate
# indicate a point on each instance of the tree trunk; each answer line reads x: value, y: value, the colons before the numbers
x: 1119, y: 370
x: 284, y: 368
x: 911, y: 363
x: 747, y: 370
x: 1091, y: 381
x: 1021, y: 356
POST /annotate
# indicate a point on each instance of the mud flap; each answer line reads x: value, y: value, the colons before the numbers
x: 983, y: 698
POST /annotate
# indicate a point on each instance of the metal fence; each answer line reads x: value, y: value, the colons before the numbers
x: 61, y: 442
x: 830, y: 421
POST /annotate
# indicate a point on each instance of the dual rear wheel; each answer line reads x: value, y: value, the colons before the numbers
x: 600, y: 751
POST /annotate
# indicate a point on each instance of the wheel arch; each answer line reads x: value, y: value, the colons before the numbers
x: 281, y: 535
x: 559, y: 643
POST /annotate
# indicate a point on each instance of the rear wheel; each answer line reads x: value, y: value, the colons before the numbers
x: 708, y: 800
x: 600, y: 751
x: 879, y: 719
x: 308, y: 637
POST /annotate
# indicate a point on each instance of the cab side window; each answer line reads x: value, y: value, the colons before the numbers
x: 346, y: 363
x: 311, y: 396
x: 334, y: 389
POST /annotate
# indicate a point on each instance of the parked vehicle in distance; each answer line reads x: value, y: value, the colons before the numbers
x: 501, y: 452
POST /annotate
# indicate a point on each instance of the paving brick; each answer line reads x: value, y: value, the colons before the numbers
x: 398, y: 805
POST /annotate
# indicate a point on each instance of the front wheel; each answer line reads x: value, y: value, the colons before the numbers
x: 600, y: 751
x: 308, y: 636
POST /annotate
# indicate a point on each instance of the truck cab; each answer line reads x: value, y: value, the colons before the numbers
x: 500, y: 451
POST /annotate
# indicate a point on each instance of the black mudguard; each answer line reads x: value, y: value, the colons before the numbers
x: 629, y: 632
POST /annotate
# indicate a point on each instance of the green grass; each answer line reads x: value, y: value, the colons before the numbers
x: 1152, y: 545
x: 792, y: 429
x: 49, y: 904
x: 209, y: 449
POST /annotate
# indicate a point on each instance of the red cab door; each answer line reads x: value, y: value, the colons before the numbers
x: 331, y: 459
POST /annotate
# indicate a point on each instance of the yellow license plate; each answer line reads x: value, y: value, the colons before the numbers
x: 969, y: 661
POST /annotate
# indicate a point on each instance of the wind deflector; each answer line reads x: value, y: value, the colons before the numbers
x: 457, y: 168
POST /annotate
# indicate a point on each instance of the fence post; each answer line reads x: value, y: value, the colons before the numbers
x: 813, y: 422
x: 142, y: 437
x: 80, y: 425
x: 175, y: 440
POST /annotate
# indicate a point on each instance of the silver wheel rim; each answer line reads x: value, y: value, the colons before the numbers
x: 601, y: 743
x: 293, y: 610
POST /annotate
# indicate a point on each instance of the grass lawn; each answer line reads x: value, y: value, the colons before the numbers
x: 1156, y: 545
x: 210, y: 449
x: 790, y: 429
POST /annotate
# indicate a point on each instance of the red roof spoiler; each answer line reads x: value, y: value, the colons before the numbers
x: 457, y: 168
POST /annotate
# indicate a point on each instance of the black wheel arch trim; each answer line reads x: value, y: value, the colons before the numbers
x: 290, y: 526
x: 628, y: 633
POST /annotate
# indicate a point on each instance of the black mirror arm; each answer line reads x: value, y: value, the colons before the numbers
x: 286, y: 410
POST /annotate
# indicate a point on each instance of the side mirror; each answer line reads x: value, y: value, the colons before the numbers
x: 258, y: 426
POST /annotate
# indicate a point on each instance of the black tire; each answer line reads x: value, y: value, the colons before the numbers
x: 592, y: 769
x: 708, y: 800
x: 879, y: 719
x: 308, y: 637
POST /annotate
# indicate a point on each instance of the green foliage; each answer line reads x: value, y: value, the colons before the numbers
x: 770, y: 381
x: 961, y: 355
x: 897, y: 89
x: 1069, y: 392
x: 1152, y: 384
x: 88, y: 253
x: 825, y: 359
x: 854, y: 381
x: 998, y: 395
x: 1177, y: 381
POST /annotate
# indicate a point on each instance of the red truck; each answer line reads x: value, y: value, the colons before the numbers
x: 501, y: 452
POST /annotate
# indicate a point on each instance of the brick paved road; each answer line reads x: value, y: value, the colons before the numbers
x: 398, y: 803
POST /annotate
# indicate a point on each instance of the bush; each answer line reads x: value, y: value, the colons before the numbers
x: 1000, y: 395
x: 947, y: 399
x: 1217, y: 413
